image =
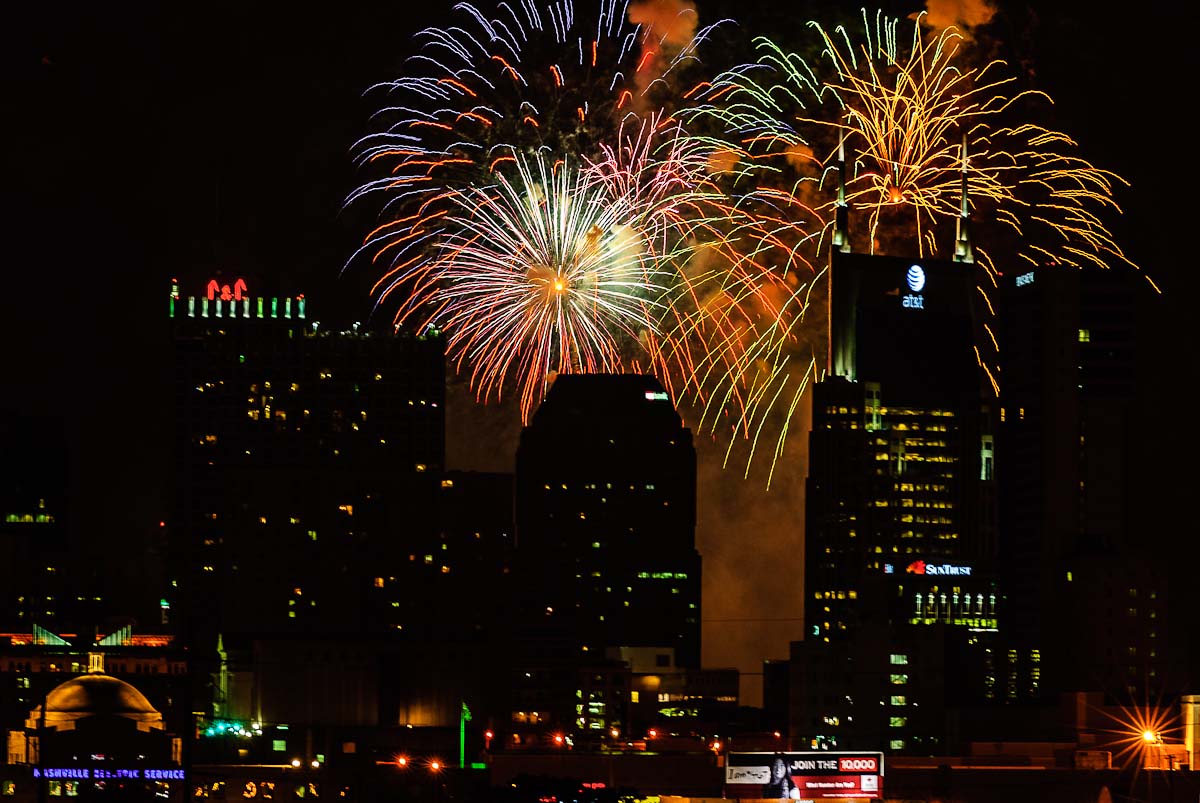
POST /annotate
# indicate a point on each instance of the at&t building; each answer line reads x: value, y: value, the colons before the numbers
x: 900, y: 513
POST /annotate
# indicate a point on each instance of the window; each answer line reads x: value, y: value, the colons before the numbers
x: 898, y: 660
x: 899, y: 699
x: 896, y: 744
x: 897, y: 722
x: 899, y: 680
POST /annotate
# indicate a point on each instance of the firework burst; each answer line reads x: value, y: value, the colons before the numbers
x: 548, y: 273
x: 548, y: 212
x: 535, y: 77
x: 921, y: 125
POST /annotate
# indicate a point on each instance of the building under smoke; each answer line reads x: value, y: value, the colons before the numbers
x: 900, y: 512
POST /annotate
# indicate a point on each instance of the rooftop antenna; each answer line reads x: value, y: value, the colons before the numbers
x: 841, y: 223
x: 963, y: 252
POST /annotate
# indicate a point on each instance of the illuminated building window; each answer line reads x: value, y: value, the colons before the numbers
x: 898, y: 699
x: 896, y: 744
x: 897, y: 722
x: 899, y: 679
x: 1085, y: 336
x: 379, y: 582
x: 898, y: 660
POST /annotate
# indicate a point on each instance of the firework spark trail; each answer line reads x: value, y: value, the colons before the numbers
x: 544, y: 207
x: 907, y: 111
x: 544, y: 274
x: 535, y: 76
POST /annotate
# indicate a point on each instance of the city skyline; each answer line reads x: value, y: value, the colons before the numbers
x: 155, y: 144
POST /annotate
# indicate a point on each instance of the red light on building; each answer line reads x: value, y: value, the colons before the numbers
x: 225, y: 292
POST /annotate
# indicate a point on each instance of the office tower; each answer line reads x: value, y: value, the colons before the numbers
x: 40, y: 584
x: 606, y: 515
x: 1086, y: 596
x: 305, y: 458
x: 900, y: 509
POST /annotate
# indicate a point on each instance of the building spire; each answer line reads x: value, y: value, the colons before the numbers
x: 963, y: 252
x: 841, y: 224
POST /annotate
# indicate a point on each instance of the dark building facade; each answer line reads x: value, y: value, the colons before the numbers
x: 901, y: 505
x: 43, y: 578
x: 606, y: 503
x: 304, y: 462
x: 1073, y: 550
x: 606, y: 517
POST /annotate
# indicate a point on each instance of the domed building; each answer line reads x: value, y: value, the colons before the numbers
x: 97, y: 737
x: 99, y: 699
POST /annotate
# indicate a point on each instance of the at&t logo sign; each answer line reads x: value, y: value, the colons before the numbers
x: 916, y: 283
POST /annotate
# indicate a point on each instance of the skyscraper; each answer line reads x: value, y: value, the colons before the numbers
x: 900, y: 508
x: 606, y: 517
x: 1070, y: 520
x: 303, y: 457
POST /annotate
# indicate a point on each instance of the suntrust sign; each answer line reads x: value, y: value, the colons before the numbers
x: 921, y: 567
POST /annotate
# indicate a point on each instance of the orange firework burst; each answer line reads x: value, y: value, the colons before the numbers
x: 925, y: 130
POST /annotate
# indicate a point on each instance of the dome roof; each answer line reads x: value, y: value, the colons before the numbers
x: 96, y: 695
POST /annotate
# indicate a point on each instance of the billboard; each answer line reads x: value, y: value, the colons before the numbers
x: 804, y: 776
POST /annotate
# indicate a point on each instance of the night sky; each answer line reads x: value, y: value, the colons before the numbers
x: 147, y: 141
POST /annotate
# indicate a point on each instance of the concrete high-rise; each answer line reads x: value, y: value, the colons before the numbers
x: 606, y: 518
